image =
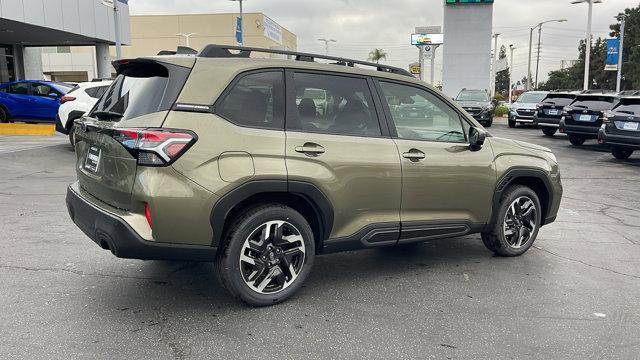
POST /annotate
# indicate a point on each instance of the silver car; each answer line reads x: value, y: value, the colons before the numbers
x: 523, y: 109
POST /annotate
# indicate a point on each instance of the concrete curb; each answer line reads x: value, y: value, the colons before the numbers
x: 28, y: 129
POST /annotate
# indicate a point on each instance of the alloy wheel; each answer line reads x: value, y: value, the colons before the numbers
x: 272, y: 257
x: 520, y: 222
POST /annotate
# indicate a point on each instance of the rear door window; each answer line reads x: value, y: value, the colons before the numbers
x: 43, y: 90
x: 20, y: 88
x: 559, y: 100
x: 596, y: 103
x: 333, y: 104
x: 256, y: 100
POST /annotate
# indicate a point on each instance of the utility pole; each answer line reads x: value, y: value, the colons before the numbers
x: 326, y: 45
x: 538, y: 59
x: 511, y: 47
x: 421, y: 60
x: 587, y: 53
x: 493, y: 66
x: 116, y: 23
x: 620, y: 17
x: 528, y: 84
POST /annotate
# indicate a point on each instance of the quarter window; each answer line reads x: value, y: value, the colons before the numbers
x: 419, y: 115
x: 333, y: 104
x: 256, y: 100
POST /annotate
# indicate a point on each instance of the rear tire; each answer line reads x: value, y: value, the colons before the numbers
x: 621, y: 153
x: 517, y: 222
x: 576, y: 140
x: 265, y: 270
x: 72, y: 136
x: 549, y: 131
x: 4, y: 115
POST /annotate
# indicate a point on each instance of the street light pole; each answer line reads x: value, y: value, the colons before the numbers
x: 511, y: 47
x: 326, y: 45
x: 587, y: 54
x: 528, y: 85
x: 492, y: 91
x: 116, y: 23
x: 538, y: 59
x: 620, y: 17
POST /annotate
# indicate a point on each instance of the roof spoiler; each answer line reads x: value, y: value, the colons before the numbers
x: 181, y: 50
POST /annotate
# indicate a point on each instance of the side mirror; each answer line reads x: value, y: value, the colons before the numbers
x: 53, y: 95
x: 476, y: 138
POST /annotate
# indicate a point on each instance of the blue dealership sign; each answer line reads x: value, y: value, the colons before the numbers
x: 613, y: 52
x: 239, y: 30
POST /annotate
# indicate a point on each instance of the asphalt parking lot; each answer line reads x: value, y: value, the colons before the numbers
x: 574, y: 295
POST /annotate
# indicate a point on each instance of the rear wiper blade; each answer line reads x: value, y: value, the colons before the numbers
x: 626, y: 112
x: 580, y: 106
x: 107, y: 115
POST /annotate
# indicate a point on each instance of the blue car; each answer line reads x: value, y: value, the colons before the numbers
x: 31, y: 100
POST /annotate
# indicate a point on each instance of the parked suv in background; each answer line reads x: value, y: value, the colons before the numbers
x: 76, y: 103
x: 549, y: 111
x: 478, y: 104
x: 220, y: 157
x: 31, y: 100
x: 582, y: 119
x: 523, y: 110
x: 621, y: 128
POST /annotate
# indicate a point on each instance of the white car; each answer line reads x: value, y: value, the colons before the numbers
x: 77, y: 102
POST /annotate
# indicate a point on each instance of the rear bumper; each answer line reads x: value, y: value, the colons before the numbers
x: 59, y: 127
x: 620, y: 140
x: 113, y: 233
x: 545, y: 121
x: 585, y: 131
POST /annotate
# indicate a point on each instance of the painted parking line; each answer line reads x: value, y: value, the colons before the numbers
x: 28, y: 129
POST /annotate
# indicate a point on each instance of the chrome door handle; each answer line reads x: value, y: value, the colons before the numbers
x: 414, y: 154
x: 310, y: 149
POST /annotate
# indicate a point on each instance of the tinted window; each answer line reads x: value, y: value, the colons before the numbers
x: 334, y: 104
x: 65, y: 88
x: 96, y: 92
x: 594, y: 102
x: 42, y: 90
x: 420, y: 115
x: 140, y: 89
x: 257, y: 100
x: 629, y: 107
x: 529, y: 97
x: 473, y: 95
x: 561, y: 100
x: 19, y: 88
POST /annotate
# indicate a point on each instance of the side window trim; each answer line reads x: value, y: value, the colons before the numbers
x: 389, y: 117
x: 291, y: 108
x: 223, y: 95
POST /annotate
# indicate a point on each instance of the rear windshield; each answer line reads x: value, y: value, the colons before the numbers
x: 473, y: 95
x: 558, y: 99
x: 594, y: 102
x: 631, y: 107
x: 141, y: 88
x: 530, y: 98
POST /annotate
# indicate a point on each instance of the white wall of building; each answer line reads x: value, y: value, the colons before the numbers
x: 467, y: 47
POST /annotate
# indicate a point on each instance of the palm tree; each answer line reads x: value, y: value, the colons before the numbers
x: 377, y: 55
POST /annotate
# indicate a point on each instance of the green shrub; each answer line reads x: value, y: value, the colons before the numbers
x: 501, y: 111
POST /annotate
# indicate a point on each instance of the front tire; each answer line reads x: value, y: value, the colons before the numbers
x: 621, y: 153
x: 266, y: 255
x: 549, y: 131
x: 512, y: 123
x: 576, y: 140
x: 517, y: 223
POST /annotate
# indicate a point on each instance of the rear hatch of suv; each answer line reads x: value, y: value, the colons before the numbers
x: 588, y: 110
x: 552, y: 105
x: 123, y: 130
x: 624, y: 118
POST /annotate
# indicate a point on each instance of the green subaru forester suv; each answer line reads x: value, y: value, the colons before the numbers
x: 261, y: 164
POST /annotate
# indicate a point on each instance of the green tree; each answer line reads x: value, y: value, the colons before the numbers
x: 502, y: 77
x: 377, y: 55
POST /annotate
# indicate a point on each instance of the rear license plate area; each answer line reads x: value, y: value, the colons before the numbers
x: 92, y: 161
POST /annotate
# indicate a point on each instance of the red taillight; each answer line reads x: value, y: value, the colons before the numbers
x: 155, y: 147
x: 66, y: 98
x: 147, y: 214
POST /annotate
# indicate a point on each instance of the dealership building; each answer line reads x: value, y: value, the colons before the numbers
x: 29, y: 28
x: 152, y: 33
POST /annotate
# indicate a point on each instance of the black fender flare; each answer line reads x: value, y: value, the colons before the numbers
x: 304, y: 190
x: 509, y: 177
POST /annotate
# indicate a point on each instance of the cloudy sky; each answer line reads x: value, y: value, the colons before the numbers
x: 360, y: 25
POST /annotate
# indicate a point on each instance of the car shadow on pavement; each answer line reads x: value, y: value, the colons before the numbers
x: 194, y: 287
